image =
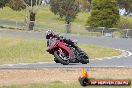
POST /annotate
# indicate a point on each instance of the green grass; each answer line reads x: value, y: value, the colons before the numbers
x: 99, y: 51
x: 45, y: 20
x: 18, y: 50
x: 60, y: 85
x: 26, y: 50
x: 43, y: 15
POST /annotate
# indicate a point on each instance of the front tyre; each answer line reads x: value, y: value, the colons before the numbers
x: 61, y: 58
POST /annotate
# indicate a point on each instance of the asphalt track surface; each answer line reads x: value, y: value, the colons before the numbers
x: 118, y: 43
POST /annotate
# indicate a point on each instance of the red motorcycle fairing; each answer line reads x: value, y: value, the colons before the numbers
x: 60, y: 45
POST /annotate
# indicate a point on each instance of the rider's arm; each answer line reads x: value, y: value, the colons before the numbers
x: 68, y: 41
x: 48, y: 43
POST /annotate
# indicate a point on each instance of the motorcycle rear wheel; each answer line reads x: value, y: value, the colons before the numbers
x: 84, y: 59
x: 64, y: 62
x: 56, y: 60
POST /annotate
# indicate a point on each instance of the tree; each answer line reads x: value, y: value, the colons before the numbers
x: 85, y: 5
x: 105, y: 13
x: 125, y: 23
x: 31, y: 7
x: 3, y: 3
x: 66, y: 9
x: 123, y: 4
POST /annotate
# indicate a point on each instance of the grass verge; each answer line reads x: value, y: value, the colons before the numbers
x: 58, y: 84
x: 26, y: 50
x: 43, y: 15
x: 45, y: 20
x: 47, y: 78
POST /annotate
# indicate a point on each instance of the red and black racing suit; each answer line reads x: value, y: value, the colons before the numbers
x: 67, y: 41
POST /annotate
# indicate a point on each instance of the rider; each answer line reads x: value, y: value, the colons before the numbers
x: 51, y: 34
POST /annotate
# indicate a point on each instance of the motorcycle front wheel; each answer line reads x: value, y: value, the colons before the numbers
x: 61, y: 58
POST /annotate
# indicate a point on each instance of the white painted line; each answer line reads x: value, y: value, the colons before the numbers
x: 7, y: 65
x: 119, y: 56
x: 45, y: 62
x: 120, y: 66
x: 25, y: 64
x: 10, y: 65
x: 115, y: 56
x: 124, y: 54
x: 129, y: 53
x: 122, y: 50
x: 109, y: 58
x: 22, y: 63
x: 100, y: 59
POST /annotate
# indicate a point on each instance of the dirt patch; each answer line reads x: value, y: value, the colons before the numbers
x: 10, y: 77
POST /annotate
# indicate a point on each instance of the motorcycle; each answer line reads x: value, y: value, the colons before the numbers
x: 65, y: 53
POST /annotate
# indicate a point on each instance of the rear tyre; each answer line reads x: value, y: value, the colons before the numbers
x: 84, y: 61
x: 60, y: 59
x: 56, y: 60
x: 83, y: 58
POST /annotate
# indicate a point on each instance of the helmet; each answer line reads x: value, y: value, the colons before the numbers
x: 50, y: 34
